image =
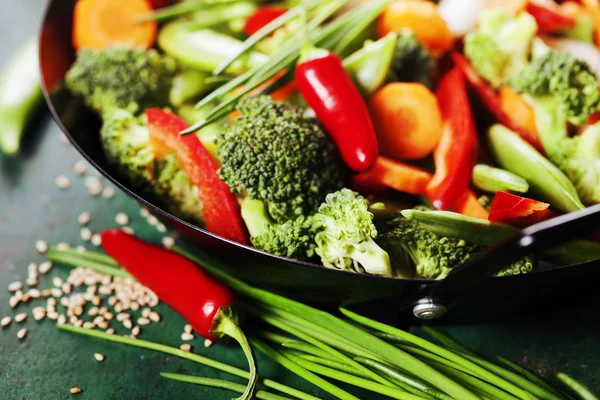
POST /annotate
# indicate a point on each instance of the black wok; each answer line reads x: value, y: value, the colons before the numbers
x: 493, y: 298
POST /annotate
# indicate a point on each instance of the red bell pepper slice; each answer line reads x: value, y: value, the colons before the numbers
x: 491, y: 100
x: 456, y: 153
x: 221, y: 209
x: 517, y: 210
x: 549, y: 16
x: 262, y: 17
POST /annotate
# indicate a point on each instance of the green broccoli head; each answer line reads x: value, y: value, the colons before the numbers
x: 567, y: 86
x: 122, y: 77
x: 345, y: 240
x: 579, y: 158
x: 294, y: 239
x: 523, y: 266
x: 276, y: 154
x: 416, y: 252
x: 411, y: 62
x: 500, y: 47
x: 126, y: 143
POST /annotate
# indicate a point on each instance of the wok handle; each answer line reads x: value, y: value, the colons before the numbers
x: 434, y: 300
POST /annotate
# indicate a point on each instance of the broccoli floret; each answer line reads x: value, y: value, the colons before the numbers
x: 411, y: 62
x: 126, y: 143
x: 276, y: 154
x: 346, y: 239
x: 500, y: 47
x: 121, y: 77
x: 563, y: 89
x: 418, y: 253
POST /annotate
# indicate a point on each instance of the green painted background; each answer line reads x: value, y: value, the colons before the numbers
x: 49, y: 362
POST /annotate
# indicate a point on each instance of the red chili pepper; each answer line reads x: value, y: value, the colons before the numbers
x: 207, y: 304
x: 262, y: 17
x: 456, y: 153
x: 517, y: 210
x: 330, y: 92
x: 221, y: 210
x: 491, y: 100
x: 549, y: 16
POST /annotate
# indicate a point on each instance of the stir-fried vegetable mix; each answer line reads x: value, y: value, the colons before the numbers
x: 321, y: 117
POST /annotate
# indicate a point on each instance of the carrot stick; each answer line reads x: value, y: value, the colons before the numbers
x: 521, y: 113
x: 422, y: 18
x: 407, y: 120
x: 469, y: 205
x: 396, y: 175
x: 98, y: 24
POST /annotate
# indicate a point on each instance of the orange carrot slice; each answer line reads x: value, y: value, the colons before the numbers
x: 469, y: 205
x: 396, y: 175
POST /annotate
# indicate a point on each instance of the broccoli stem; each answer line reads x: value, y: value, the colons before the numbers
x: 256, y: 217
x: 372, y: 258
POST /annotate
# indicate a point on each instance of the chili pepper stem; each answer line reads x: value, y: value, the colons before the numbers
x: 225, y: 323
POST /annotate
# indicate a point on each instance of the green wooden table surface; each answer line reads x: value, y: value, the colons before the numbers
x: 49, y: 362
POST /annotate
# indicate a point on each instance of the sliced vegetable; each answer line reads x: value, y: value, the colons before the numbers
x: 494, y: 104
x: 422, y: 17
x: 577, y: 387
x: 546, y: 181
x: 520, y: 111
x: 460, y: 15
x: 468, y: 204
x: 337, y: 103
x: 549, y: 16
x: 456, y: 153
x: 494, y: 180
x: 262, y: 17
x: 407, y: 120
x: 204, y: 49
x: 513, y: 210
x: 221, y: 210
x: 395, y: 175
x: 98, y: 24
x: 188, y: 85
x: 369, y: 67
x: 20, y: 95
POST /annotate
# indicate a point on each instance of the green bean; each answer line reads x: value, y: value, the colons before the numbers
x: 220, y: 383
x: 301, y: 371
x: 352, y: 379
x: 577, y: 387
x: 145, y: 344
x: 545, y: 180
x: 492, y: 180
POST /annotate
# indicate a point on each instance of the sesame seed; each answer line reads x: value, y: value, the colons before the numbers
x: 168, y: 242
x: 135, y: 306
x: 92, y: 312
x: 123, y: 316
x: 143, y: 321
x: 112, y: 300
x: 108, y: 316
x: 51, y: 301
x: 161, y: 228
x: 86, y: 234
x: 57, y: 282
x: 96, y: 300
x: 187, y: 336
x: 98, y: 320
x: 67, y: 288
x: 110, y: 331
x: 136, y: 330
x: 96, y: 240
x: 62, y: 319
x: 144, y: 212
x: 154, y: 316
x: 62, y: 182
x: 31, y: 281
x: 187, y: 328
x: 39, y: 316
x: 34, y: 293
x: 14, y: 301
x: 22, y: 333
x: 186, y: 347
x: 45, y: 267
x: 99, y: 357
x: 46, y: 293
x: 122, y: 219
x: 129, y: 230
x: 75, y: 390
x: 207, y: 343
x: 78, y: 323
x: 63, y: 246
x: 20, y: 317
x: 89, y: 325
x: 14, y: 286
x: 80, y: 167
x: 103, y: 325
x: 26, y: 297
x: 84, y: 218
x: 108, y: 192
x: 152, y: 220
x: 41, y: 247
x: 52, y: 315
x: 56, y: 292
x: 31, y: 268
x: 95, y: 190
x: 146, y: 312
x: 5, y: 321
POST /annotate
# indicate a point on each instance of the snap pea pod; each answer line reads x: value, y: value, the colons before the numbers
x: 545, y: 179
x: 20, y: 95
x: 188, y: 85
x: 369, y: 66
x: 204, y: 49
x: 485, y: 233
x: 492, y: 180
